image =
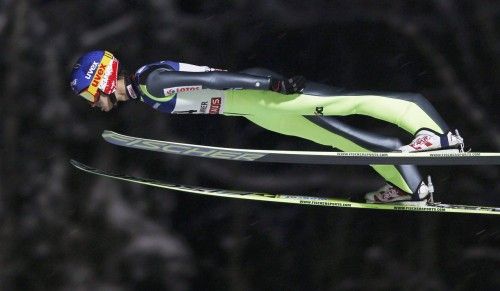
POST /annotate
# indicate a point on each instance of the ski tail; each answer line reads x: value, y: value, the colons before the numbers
x: 288, y: 199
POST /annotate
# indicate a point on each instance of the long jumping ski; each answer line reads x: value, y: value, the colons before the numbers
x: 290, y: 199
x: 303, y: 157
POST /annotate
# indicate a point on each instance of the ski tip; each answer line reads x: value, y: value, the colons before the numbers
x: 78, y: 165
x: 75, y: 163
x: 106, y: 133
x: 83, y: 167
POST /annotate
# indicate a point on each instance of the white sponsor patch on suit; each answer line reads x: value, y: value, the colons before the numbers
x: 206, y: 101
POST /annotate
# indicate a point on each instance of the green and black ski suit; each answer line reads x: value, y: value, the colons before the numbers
x: 173, y: 87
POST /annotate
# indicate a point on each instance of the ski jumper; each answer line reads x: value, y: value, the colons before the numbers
x: 177, y: 88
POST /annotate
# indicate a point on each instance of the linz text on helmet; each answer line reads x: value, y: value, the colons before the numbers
x: 91, y: 70
x: 98, y: 75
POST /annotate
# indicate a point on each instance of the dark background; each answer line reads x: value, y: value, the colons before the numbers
x: 61, y: 229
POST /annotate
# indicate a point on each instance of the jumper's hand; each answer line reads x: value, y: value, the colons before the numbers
x: 292, y: 85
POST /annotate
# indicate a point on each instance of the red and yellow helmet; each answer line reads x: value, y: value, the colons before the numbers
x: 94, y: 73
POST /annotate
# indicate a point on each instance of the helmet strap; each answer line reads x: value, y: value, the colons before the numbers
x: 112, y: 98
x: 129, y: 88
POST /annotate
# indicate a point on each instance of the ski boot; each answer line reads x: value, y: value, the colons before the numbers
x: 427, y: 140
x: 392, y: 194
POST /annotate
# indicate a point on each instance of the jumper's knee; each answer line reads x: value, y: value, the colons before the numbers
x: 427, y: 107
x: 418, y: 99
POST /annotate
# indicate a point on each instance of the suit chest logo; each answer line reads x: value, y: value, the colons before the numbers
x: 181, y: 89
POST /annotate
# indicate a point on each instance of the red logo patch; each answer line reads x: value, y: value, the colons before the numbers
x: 215, y: 104
x: 421, y: 143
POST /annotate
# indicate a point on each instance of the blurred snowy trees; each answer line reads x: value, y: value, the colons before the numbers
x: 61, y: 229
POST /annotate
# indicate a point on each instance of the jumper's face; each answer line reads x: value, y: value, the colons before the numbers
x: 104, y: 103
